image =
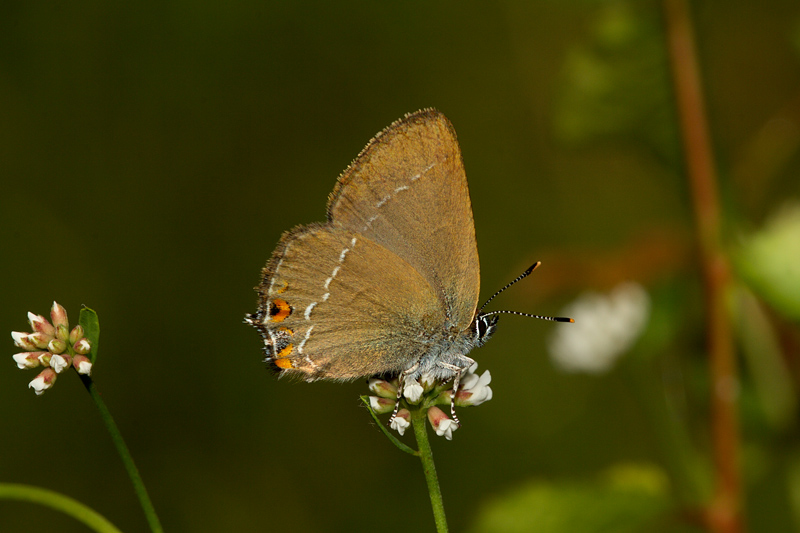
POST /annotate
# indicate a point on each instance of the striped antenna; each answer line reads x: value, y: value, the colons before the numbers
x: 519, y: 278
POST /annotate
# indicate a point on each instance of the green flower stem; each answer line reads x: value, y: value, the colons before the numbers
x: 125, y: 455
x: 59, y: 502
x: 420, y: 423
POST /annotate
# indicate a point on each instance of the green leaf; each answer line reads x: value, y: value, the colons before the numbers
x: 91, y: 330
x: 391, y: 437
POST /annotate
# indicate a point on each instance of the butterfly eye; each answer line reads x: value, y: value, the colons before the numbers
x: 484, y: 327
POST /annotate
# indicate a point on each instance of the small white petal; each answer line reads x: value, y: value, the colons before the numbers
x: 468, y: 381
x: 413, y: 391
x: 39, y: 385
x: 446, y: 428
x: 21, y: 339
x: 400, y: 424
x: 58, y: 363
x: 23, y: 361
x: 374, y: 403
x: 85, y: 368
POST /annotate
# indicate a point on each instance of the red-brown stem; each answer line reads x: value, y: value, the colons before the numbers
x: 725, y: 510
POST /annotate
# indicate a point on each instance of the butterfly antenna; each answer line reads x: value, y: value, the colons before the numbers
x: 521, y: 277
x: 551, y: 318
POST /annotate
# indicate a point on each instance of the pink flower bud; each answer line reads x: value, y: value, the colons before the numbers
x: 23, y: 340
x: 382, y: 388
x: 41, y: 324
x: 59, y: 315
x: 82, y: 364
x: 27, y: 359
x: 44, y: 358
x: 381, y: 405
x: 62, y: 333
x: 75, y: 334
x: 40, y: 340
x: 83, y: 346
x: 43, y: 381
x: 56, y: 346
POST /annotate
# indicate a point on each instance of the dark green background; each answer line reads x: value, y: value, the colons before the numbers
x: 151, y: 154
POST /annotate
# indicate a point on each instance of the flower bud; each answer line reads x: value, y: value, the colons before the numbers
x: 82, y: 364
x: 83, y: 346
x: 382, y: 388
x: 381, y: 405
x: 40, y: 340
x: 44, y: 358
x: 41, y: 324
x: 56, y: 346
x: 62, y: 333
x: 27, y: 359
x: 75, y: 334
x: 59, y: 363
x: 59, y: 315
x: 23, y: 340
x: 43, y: 381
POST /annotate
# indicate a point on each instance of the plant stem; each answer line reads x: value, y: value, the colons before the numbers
x: 125, y: 455
x: 725, y: 511
x: 87, y: 516
x: 420, y: 423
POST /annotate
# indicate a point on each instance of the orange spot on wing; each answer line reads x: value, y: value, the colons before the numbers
x: 279, y: 309
x: 286, y: 351
x: 283, y: 362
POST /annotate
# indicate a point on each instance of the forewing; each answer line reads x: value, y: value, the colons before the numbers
x: 407, y: 191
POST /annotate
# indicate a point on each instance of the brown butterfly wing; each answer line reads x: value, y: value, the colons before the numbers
x: 394, y: 271
x: 340, y: 306
x: 407, y: 191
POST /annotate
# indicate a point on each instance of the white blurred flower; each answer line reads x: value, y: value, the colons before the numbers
x: 606, y: 325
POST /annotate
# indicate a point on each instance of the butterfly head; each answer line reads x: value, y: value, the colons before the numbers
x: 484, y: 328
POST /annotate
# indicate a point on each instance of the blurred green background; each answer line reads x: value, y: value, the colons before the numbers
x: 151, y: 155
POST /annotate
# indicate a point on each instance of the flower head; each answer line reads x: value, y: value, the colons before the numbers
x: 424, y: 394
x: 53, y: 346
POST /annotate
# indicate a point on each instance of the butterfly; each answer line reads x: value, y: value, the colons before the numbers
x: 389, y: 284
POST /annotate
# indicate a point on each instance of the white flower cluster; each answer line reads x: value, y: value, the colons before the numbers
x: 473, y: 390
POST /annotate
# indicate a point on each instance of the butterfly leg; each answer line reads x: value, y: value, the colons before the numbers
x: 400, y: 386
x: 458, y: 371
